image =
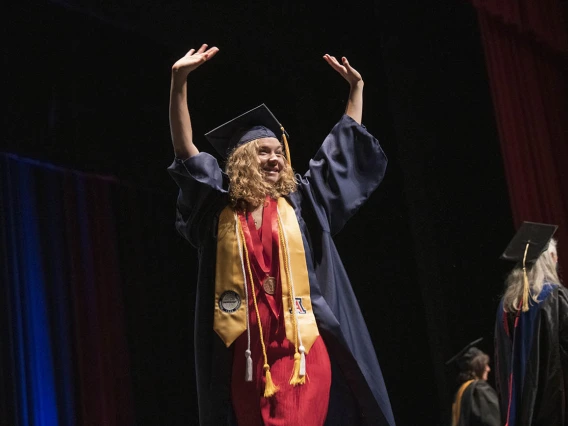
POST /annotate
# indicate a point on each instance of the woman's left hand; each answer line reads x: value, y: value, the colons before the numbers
x: 344, y: 69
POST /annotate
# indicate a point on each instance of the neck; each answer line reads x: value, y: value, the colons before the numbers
x: 252, y: 207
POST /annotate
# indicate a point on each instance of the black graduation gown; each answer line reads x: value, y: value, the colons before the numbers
x: 538, y: 365
x: 347, y: 168
x: 479, y: 405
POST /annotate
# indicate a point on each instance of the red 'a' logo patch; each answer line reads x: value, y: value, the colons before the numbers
x: 299, y: 307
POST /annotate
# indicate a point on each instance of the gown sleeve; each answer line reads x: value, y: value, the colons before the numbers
x: 563, y: 336
x: 563, y: 319
x: 347, y: 168
x: 202, y: 195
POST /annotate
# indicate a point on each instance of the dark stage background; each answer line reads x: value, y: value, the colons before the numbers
x: 86, y: 88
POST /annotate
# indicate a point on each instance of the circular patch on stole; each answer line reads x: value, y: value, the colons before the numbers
x: 229, y: 301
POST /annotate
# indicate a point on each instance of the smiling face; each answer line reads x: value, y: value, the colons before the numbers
x: 257, y: 169
x: 270, y: 159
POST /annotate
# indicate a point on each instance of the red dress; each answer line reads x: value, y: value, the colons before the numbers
x: 292, y: 405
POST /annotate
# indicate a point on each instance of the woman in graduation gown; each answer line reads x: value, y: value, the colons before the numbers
x: 531, y: 333
x: 476, y: 402
x: 291, y: 346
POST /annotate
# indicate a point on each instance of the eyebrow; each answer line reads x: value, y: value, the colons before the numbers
x: 266, y: 147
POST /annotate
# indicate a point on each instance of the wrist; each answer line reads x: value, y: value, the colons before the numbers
x: 357, y: 84
x: 179, y: 73
x: 179, y: 80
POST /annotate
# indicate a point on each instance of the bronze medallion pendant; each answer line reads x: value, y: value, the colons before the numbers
x: 269, y: 285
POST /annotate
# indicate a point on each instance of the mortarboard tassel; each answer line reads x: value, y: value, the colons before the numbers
x: 285, y: 139
x: 525, y: 301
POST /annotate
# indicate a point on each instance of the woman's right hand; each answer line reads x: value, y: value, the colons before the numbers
x: 193, y: 59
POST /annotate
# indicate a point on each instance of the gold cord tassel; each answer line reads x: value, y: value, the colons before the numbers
x: 285, y: 139
x: 296, y: 379
x: 525, y: 300
x: 269, y: 387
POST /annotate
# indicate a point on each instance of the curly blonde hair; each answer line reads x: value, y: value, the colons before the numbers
x: 247, y: 182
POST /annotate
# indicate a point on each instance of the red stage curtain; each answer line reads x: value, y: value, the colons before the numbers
x: 526, y: 49
x: 543, y: 20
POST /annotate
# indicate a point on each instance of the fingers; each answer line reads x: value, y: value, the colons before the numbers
x: 352, y: 71
x: 344, y: 68
x: 331, y: 60
x: 346, y: 64
x: 211, y: 52
x: 203, y: 50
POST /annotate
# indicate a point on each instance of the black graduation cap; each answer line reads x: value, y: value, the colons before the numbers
x: 257, y: 123
x: 464, y: 356
x: 536, y: 235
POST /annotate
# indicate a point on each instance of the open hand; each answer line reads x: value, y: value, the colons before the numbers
x: 344, y: 69
x: 192, y: 59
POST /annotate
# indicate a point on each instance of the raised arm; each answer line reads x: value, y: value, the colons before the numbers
x: 180, y: 122
x: 354, y: 107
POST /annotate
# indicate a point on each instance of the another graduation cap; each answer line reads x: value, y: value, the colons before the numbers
x: 257, y: 123
x: 530, y: 241
x: 464, y: 356
x: 532, y: 238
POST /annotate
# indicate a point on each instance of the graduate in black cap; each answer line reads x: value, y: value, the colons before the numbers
x: 531, y: 333
x: 476, y: 402
x: 291, y: 346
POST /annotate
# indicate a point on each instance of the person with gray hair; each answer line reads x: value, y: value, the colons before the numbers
x: 531, y: 333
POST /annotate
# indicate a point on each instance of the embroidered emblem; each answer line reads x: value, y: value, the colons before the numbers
x: 299, y: 307
x: 229, y: 301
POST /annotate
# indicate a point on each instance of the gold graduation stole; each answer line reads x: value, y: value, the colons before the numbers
x: 230, y: 310
x: 456, y: 406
